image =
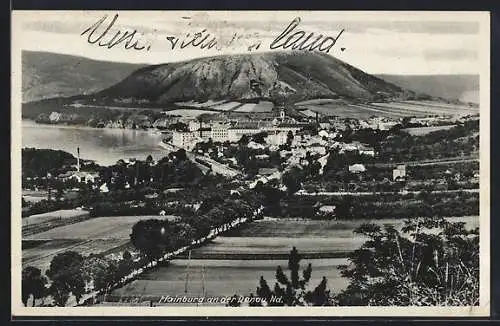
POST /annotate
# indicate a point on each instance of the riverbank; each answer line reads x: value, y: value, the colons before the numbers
x: 86, y: 127
x: 105, y: 146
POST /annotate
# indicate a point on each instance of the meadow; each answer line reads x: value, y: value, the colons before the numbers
x: 64, y: 214
x: 385, y: 109
x: 420, y: 131
x: 97, y: 235
x: 40, y: 256
x: 262, y: 106
x: 109, y: 227
x: 222, y: 277
x: 239, y: 269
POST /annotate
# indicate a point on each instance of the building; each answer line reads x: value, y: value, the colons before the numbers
x: 194, y: 125
x: 276, y: 137
x: 386, y: 125
x: 205, y: 133
x: 327, y: 209
x: 254, y: 145
x: 184, y: 139
x: 219, y: 132
x: 365, y: 150
x: 317, y: 149
x: 80, y: 176
x: 323, y: 133
x: 104, y: 188
x: 55, y: 116
x: 357, y: 168
x: 235, y: 134
x: 399, y: 173
x: 267, y: 171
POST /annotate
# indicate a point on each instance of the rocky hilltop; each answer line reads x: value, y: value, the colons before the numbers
x: 283, y: 78
x: 294, y: 76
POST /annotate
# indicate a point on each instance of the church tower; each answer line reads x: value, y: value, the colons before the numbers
x: 282, y: 114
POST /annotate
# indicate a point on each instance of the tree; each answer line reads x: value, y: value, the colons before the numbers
x: 150, y: 237
x: 344, y: 207
x: 314, y: 168
x: 293, y: 290
x: 101, y: 271
x: 414, y: 266
x: 33, y: 284
x: 178, y: 126
x: 292, y: 179
x: 289, y: 138
x: 210, y: 202
x: 126, y: 255
x: 65, y: 272
x: 181, y: 154
x: 260, y: 137
x: 243, y: 140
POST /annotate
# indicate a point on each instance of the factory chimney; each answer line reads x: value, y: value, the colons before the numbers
x: 78, y: 159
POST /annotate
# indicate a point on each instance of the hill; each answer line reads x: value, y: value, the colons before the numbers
x: 47, y: 75
x: 276, y: 76
x: 452, y: 87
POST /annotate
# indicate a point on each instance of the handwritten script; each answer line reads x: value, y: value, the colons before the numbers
x: 292, y: 37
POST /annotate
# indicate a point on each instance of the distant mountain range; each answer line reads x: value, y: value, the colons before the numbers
x: 48, y: 75
x: 453, y: 87
x: 276, y: 76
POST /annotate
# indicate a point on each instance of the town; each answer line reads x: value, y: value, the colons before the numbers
x: 204, y: 159
x: 307, y: 166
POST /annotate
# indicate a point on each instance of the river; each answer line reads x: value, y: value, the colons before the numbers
x: 105, y: 146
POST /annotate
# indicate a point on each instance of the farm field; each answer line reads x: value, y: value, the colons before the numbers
x: 206, y: 104
x: 34, y: 196
x: 308, y: 113
x: 273, y: 238
x: 420, y: 131
x: 445, y: 105
x: 248, y: 248
x: 340, y: 110
x: 90, y: 236
x: 226, y: 106
x: 428, y: 108
x: 111, y: 227
x: 262, y: 106
x: 192, y: 113
x: 223, y: 277
x: 268, y: 237
x: 41, y: 255
x: 355, y: 111
x: 389, y: 109
x: 397, y: 111
x: 318, y: 101
x: 51, y: 216
x: 247, y: 107
x: 280, y: 227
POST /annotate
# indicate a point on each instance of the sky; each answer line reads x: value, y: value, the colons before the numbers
x: 414, y: 43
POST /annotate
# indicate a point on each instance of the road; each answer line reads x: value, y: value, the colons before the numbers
x: 451, y: 160
x: 217, y: 167
x: 169, y: 256
x: 342, y: 193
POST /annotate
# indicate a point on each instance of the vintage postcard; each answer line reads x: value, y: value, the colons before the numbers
x: 250, y: 163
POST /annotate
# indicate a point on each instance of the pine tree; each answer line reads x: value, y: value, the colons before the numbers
x: 292, y: 290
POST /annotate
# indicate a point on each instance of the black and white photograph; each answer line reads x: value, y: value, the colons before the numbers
x: 250, y: 163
